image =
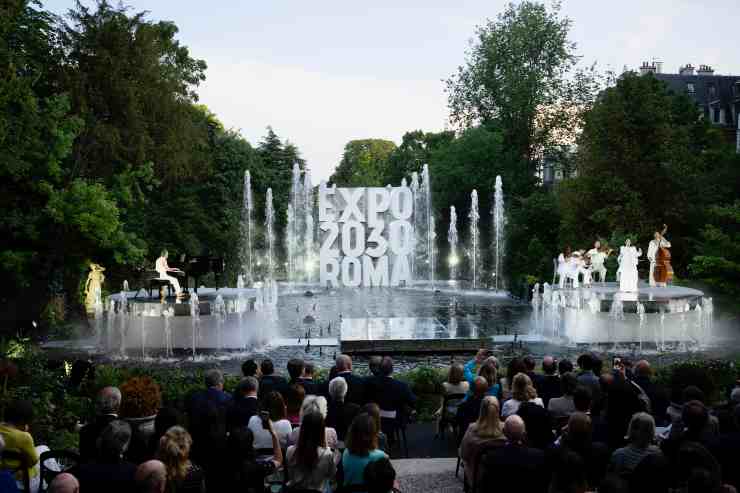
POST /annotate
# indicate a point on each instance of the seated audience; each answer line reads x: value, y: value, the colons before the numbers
x: 530, y: 364
x: 7, y: 480
x: 725, y: 448
x: 207, y: 417
x: 374, y: 411
x: 569, y: 475
x: 151, y: 477
x: 293, y: 400
x: 15, y: 433
x: 651, y: 475
x: 109, y: 472
x: 246, y: 471
x: 362, y: 448
x: 394, y: 397
x: 315, y: 404
x: 522, y: 390
x: 470, y: 369
x: 643, y: 377
x: 515, y: 366
x: 275, y: 406
x: 310, y: 463
x: 562, y: 407
x: 340, y: 413
x: 246, y: 403
x: 295, y: 370
x: 622, y: 403
x: 107, y: 404
x: 565, y: 366
x: 641, y: 435
x: 588, y: 376
x: 174, y: 451
x: 455, y: 384
x: 578, y: 438
x: 355, y: 384
x: 550, y: 382
x: 515, y: 466
x: 270, y: 381
x: 485, y: 432
x: 63, y: 483
x: 490, y: 373
x: 469, y: 411
x: 379, y: 476
x: 538, y: 423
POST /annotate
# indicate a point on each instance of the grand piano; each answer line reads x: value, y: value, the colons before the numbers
x: 198, y: 266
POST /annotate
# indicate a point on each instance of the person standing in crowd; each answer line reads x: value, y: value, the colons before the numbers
x: 658, y: 396
x: 469, y: 411
x: 362, y: 448
x: 373, y: 410
x: 63, y: 483
x: 355, y: 384
x: 587, y: 375
x: 310, y: 462
x: 250, y: 369
x: 207, y: 413
x: 245, y: 404
x: 530, y: 364
x: 394, y: 397
x: 550, y: 382
x: 107, y: 404
x: 174, y: 451
x: 167, y: 417
x: 578, y: 438
x: 315, y: 404
x: 109, y: 472
x: 15, y: 433
x: 562, y: 407
x: 274, y: 405
x: 312, y: 386
x: 270, y: 381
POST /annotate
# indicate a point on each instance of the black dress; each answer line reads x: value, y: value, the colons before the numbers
x: 194, y: 481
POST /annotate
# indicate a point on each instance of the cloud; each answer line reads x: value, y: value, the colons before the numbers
x: 319, y: 112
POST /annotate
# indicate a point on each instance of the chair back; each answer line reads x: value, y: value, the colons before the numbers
x: 66, y: 459
x: 21, y: 467
x: 478, y: 460
x: 451, y: 400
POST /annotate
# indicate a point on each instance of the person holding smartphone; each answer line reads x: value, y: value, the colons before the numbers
x: 247, y: 470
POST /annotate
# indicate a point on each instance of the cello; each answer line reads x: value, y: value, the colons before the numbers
x: 663, y: 269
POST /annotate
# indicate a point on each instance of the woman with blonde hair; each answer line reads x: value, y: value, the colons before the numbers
x: 522, y: 391
x: 487, y: 431
x: 315, y: 404
x: 174, y: 451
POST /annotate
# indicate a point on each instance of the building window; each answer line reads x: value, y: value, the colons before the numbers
x: 715, y: 115
x: 712, y: 91
x: 690, y: 88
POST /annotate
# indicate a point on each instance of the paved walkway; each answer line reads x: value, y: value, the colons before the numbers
x: 427, y: 475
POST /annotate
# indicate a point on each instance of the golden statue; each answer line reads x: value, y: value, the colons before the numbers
x: 94, y: 287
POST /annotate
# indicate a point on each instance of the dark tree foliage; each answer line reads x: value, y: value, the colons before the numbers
x: 364, y: 163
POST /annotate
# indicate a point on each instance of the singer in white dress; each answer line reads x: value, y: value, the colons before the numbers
x: 628, y: 257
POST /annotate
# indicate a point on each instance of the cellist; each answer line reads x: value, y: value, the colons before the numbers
x: 659, y: 256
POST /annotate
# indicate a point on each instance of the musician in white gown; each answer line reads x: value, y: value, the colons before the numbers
x: 598, y: 258
x: 628, y: 257
x: 163, y: 270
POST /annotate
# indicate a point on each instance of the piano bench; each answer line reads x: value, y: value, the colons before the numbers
x: 156, y: 282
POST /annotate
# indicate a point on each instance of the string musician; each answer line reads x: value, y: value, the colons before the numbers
x: 659, y: 255
x: 597, y: 256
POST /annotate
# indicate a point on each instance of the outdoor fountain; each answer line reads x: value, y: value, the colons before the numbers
x: 452, y: 240
x: 247, y: 230
x: 499, y: 240
x: 474, y: 252
x: 270, y: 234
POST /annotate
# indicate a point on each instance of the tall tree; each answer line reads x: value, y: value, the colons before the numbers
x: 520, y: 75
x: 416, y: 149
x: 364, y: 163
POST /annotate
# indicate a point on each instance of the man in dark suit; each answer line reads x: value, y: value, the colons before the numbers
x: 725, y: 449
x: 395, y: 398
x: 657, y: 394
x: 109, y: 472
x: 550, y: 381
x: 355, y: 384
x: 270, y: 381
x: 312, y: 386
x: 245, y: 404
x: 107, y: 403
x: 207, y: 413
x: 515, y: 466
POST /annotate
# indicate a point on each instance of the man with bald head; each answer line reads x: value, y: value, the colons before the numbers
x: 515, y: 466
x: 355, y: 384
x: 64, y: 483
x: 549, y: 384
x: 151, y: 477
x: 107, y: 403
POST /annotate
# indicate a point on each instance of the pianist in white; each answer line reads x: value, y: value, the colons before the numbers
x: 163, y: 270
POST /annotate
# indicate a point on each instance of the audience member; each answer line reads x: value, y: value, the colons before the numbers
x: 63, y: 483
x: 695, y: 470
x: 109, y: 472
x: 562, y: 407
x: 565, y: 366
x: 295, y: 370
x: 310, y: 463
x: 312, y: 387
x: 643, y: 377
x: 274, y: 406
x: 167, y: 417
x: 340, y: 413
x: 207, y: 417
x: 569, y: 475
x: 174, y: 451
x: 315, y: 404
x: 151, y: 477
x: 456, y: 383
x: 246, y: 404
x: 651, y: 475
x: 515, y: 366
x: 578, y: 438
x: 470, y: 369
x: 613, y: 483
x: 621, y: 405
x: 246, y: 471
x: 538, y: 423
x: 15, y: 433
x: 373, y: 364
x: 394, y: 397
x: 270, y: 382
x: 486, y: 432
x: 725, y: 449
x: 379, y: 476
x: 469, y: 411
x: 293, y: 401
x: 373, y: 410
x: 250, y: 369
x: 530, y: 364
x: 7, y: 481
x: 107, y: 403
x: 641, y: 435
x: 488, y: 370
x: 515, y: 466
x: 355, y: 384
x: 362, y: 448
x: 550, y: 381
x: 588, y: 376
x: 522, y: 390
